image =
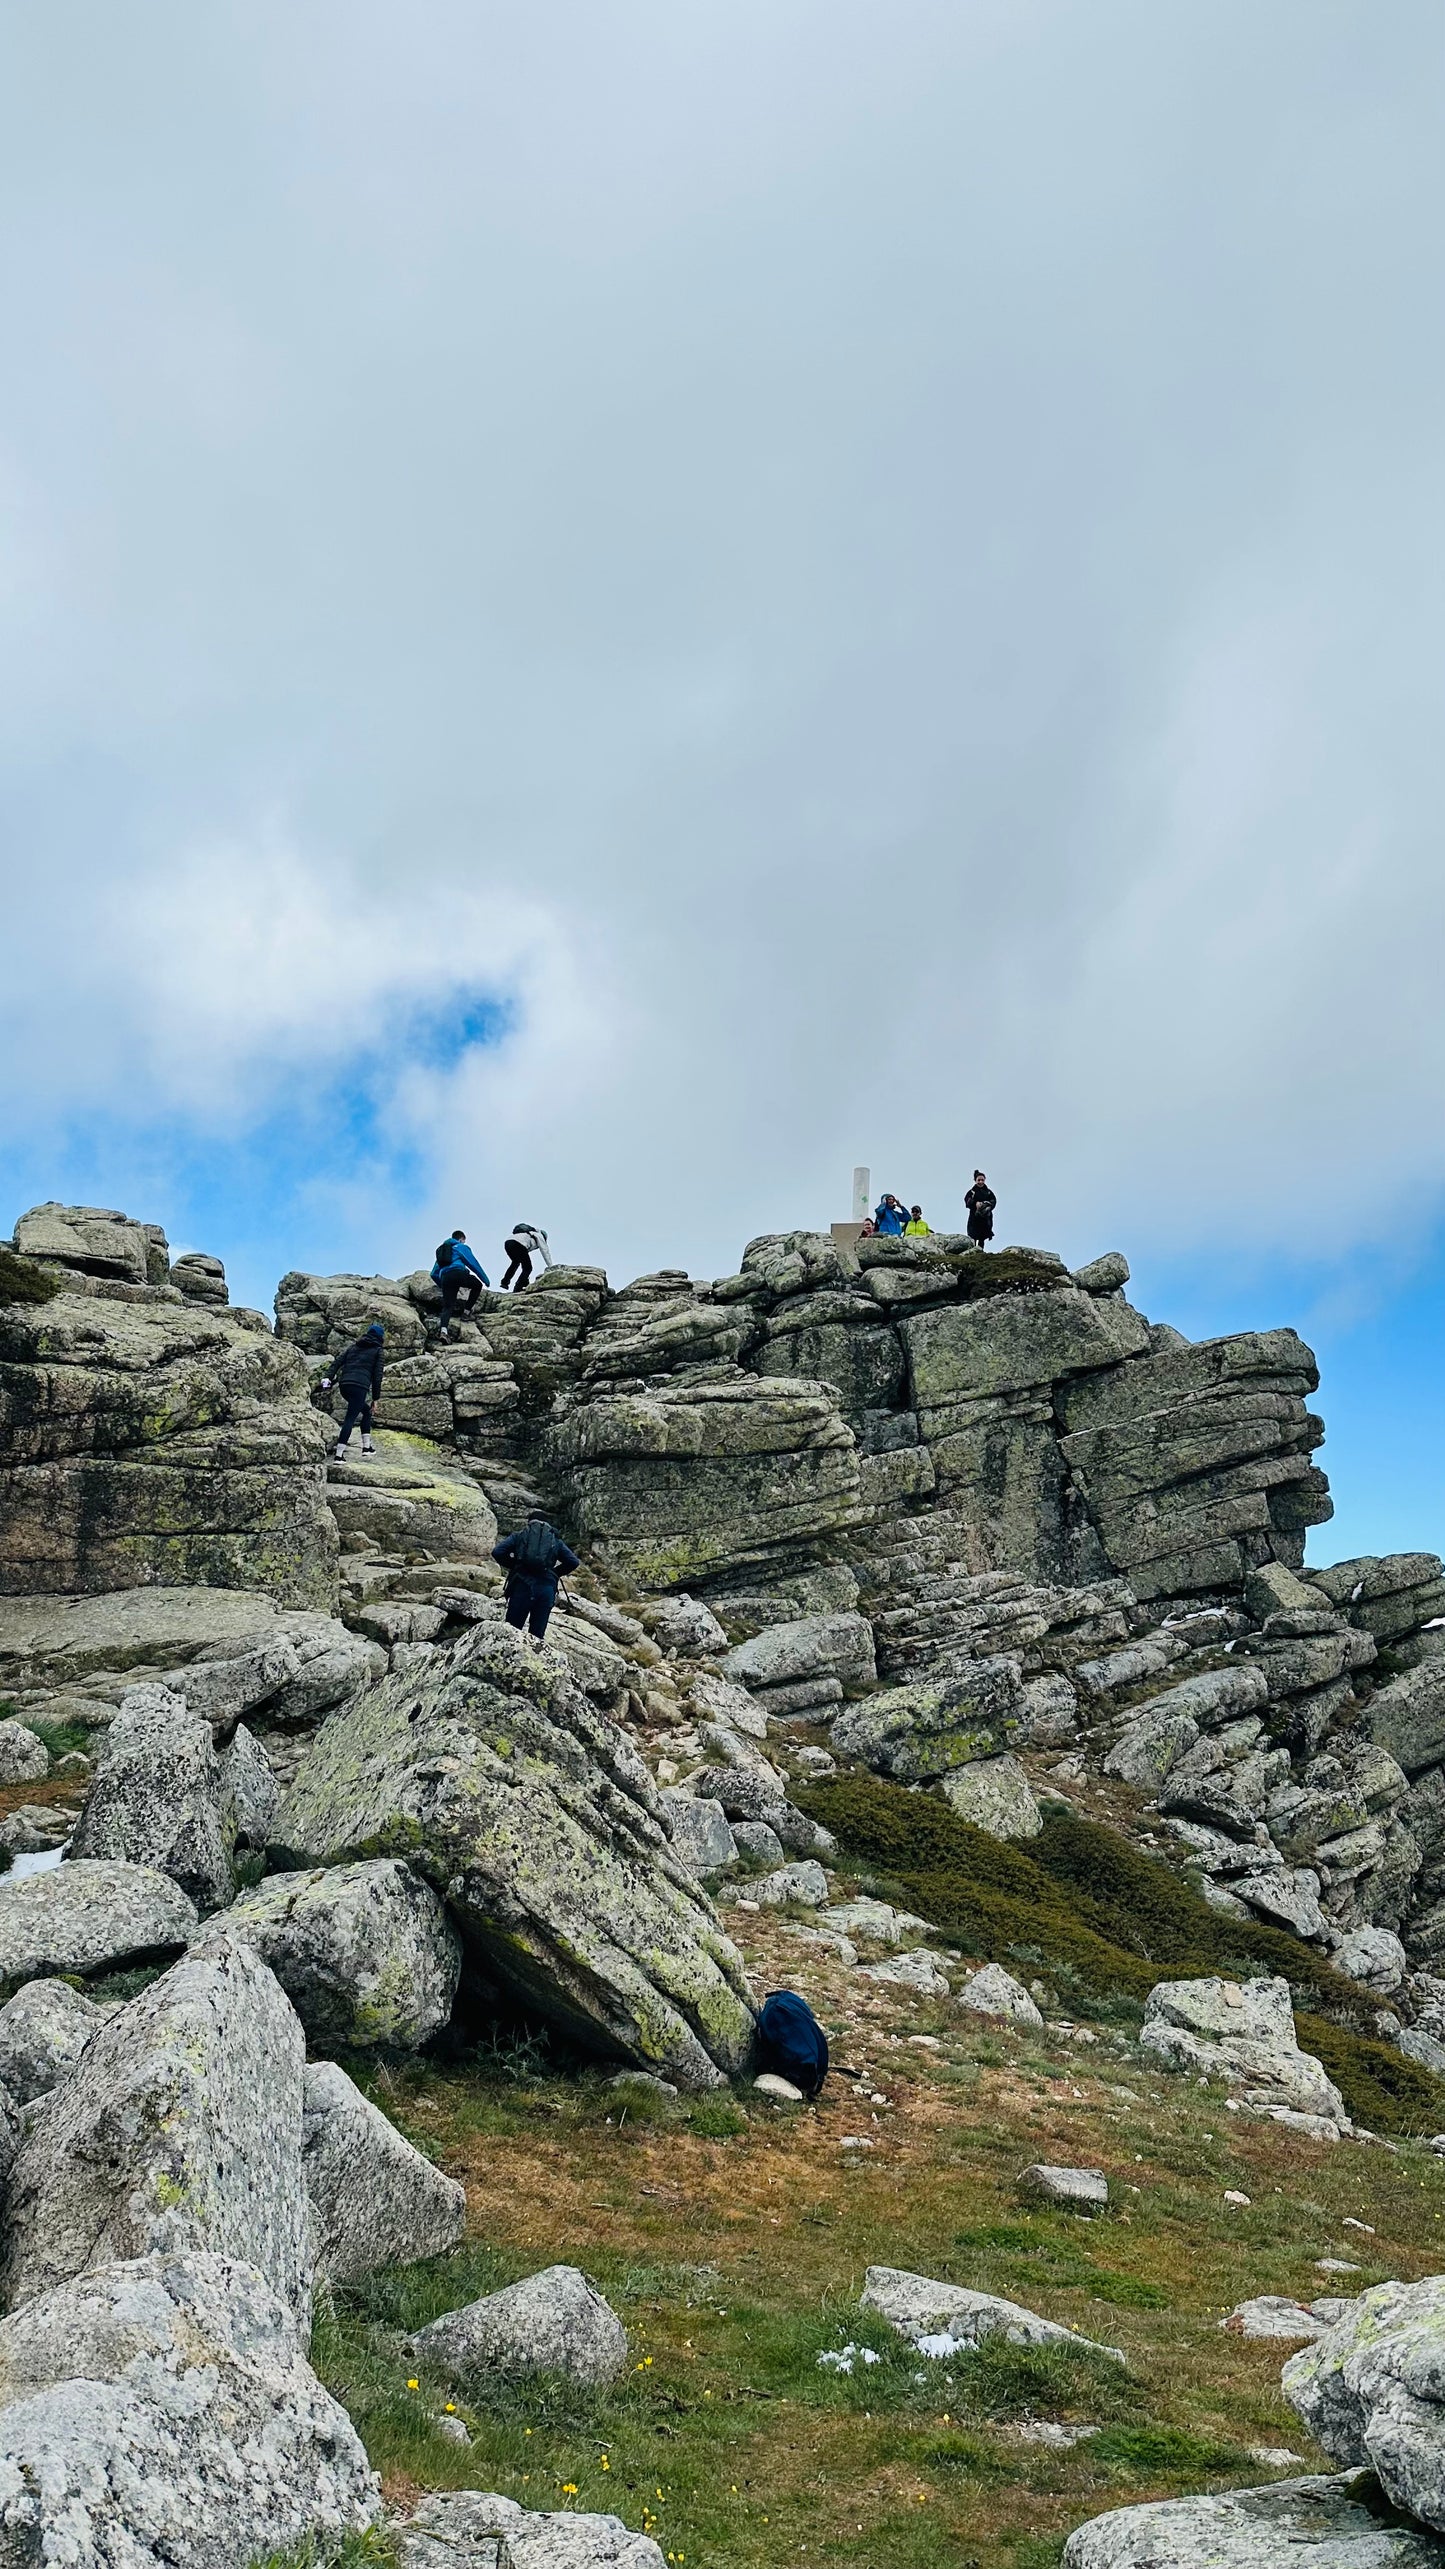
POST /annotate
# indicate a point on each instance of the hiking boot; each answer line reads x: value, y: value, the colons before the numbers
x: 340, y: 1454
x: 366, y: 1447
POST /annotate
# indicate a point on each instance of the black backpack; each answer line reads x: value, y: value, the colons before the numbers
x: 536, y: 1547
x: 446, y: 1253
x: 791, y: 2042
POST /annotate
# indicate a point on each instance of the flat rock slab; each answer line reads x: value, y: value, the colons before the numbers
x: 1326, y: 2523
x: 375, y: 2201
x: 941, y: 2318
x: 51, y: 1641
x: 1074, y: 2189
x: 553, y: 2322
x: 917, y: 1971
x: 89, y: 1917
x: 1273, y: 2315
x: 470, y: 2529
x: 159, y: 2414
x: 365, y: 1952
x: 538, y: 1824
x: 184, y: 2134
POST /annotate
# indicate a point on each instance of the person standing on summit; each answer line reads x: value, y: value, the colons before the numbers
x: 889, y: 1219
x: 981, y: 1201
x: 456, y: 1272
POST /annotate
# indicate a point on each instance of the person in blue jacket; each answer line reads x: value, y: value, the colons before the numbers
x: 890, y: 1218
x: 456, y: 1272
x: 534, y: 1560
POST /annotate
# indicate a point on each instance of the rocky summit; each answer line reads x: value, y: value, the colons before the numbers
x: 381, y: 1993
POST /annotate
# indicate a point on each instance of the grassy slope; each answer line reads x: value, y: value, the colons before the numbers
x: 736, y: 2256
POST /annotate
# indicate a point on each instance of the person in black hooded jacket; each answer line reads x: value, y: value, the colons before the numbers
x: 357, y: 1376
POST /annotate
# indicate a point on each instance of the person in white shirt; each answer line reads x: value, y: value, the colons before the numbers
x: 523, y: 1243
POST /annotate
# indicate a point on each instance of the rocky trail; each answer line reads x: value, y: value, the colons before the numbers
x: 386, y: 2174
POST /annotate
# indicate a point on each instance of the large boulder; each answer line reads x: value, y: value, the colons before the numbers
x: 694, y: 1477
x: 158, y: 2413
x: 1244, y: 2033
x: 44, y: 2029
x: 365, y: 1952
x: 535, y: 1819
x: 553, y: 2322
x: 994, y: 1794
x: 920, y: 1732
x: 472, y: 2529
x: 24, y: 1759
x: 1372, y: 2391
x: 237, y: 1642
x: 184, y: 2133
x: 95, y: 1241
x: 413, y: 1497
x: 838, y: 1646
x: 153, y: 1439
x: 90, y: 1917
x: 157, y: 1797
x: 1407, y: 1716
x: 375, y: 2201
x: 1329, y: 2523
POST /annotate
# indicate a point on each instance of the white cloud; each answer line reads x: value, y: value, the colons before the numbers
x: 872, y: 575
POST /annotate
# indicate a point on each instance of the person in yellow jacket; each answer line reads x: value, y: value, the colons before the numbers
x: 915, y: 1228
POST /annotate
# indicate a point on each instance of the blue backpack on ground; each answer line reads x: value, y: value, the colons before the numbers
x: 791, y: 2042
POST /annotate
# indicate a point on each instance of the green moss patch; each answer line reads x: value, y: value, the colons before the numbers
x: 21, y: 1280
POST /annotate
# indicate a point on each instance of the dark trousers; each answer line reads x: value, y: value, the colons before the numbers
x: 519, y: 1264
x: 358, y: 1406
x: 530, y: 1601
x: 452, y: 1284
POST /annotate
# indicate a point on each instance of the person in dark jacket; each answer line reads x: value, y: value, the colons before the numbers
x: 357, y: 1376
x: 981, y: 1201
x: 534, y: 1560
x: 455, y: 1273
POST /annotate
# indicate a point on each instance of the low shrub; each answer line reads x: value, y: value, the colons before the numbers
x: 1116, y: 1920
x: 21, y: 1280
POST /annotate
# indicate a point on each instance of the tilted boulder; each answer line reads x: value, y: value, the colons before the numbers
x: 183, y: 2134
x: 537, y: 1822
x: 1329, y: 2522
x: 1244, y: 2033
x: 159, y: 2413
x: 375, y: 2201
x: 838, y: 1646
x: 157, y: 1797
x: 90, y: 1917
x: 154, y: 1439
x: 1372, y: 2391
x: 472, y: 2529
x: 24, y: 1759
x: 365, y: 1952
x: 44, y: 2029
x: 994, y: 1794
x: 250, y: 1794
x: 939, y: 2318
x: 553, y: 2322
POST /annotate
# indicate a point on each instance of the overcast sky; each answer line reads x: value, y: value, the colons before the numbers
x: 609, y: 607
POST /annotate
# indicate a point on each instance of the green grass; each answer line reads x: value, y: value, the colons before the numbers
x: 373, y: 2550
x: 59, y: 1737
x: 1082, y: 1901
x: 1160, y: 2452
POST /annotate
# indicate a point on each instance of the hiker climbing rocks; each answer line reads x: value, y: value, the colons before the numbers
x: 523, y: 1243
x: 357, y: 1376
x: 981, y: 1201
x: 457, y: 1272
x: 915, y: 1228
x: 889, y: 1219
x: 534, y: 1560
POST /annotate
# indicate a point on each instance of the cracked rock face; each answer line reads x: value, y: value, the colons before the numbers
x: 1243, y: 2032
x: 157, y: 1797
x: 536, y: 1821
x: 152, y: 1439
x: 184, y: 2134
x: 158, y: 2413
